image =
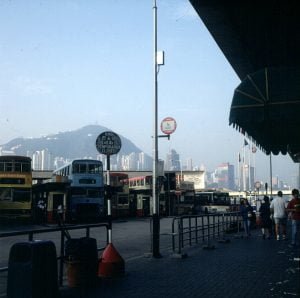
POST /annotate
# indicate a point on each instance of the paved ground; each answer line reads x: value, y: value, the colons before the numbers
x: 241, y: 268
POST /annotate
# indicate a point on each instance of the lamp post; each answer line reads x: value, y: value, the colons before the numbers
x: 155, y: 216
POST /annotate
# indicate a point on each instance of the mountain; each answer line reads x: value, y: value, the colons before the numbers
x: 72, y: 144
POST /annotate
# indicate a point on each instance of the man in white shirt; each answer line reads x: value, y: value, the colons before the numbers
x: 277, y: 207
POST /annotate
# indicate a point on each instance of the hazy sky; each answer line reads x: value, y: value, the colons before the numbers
x: 65, y: 64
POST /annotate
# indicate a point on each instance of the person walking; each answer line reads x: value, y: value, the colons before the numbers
x: 293, y: 208
x: 278, y: 209
x: 265, y: 218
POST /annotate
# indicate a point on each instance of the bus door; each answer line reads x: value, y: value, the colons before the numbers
x: 132, y: 205
x: 143, y: 205
x: 146, y: 206
x: 57, y: 201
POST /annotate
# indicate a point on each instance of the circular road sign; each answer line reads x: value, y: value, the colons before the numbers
x: 257, y: 185
x: 108, y: 143
x: 168, y: 125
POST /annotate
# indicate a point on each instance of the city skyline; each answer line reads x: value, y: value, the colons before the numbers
x: 223, y: 176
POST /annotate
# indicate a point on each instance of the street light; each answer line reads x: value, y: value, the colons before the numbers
x: 158, y: 60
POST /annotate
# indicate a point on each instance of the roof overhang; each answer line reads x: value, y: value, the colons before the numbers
x: 255, y: 35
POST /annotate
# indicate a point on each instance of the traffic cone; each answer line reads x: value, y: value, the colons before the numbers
x: 111, y: 264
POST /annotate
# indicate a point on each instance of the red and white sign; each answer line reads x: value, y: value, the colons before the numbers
x: 168, y: 125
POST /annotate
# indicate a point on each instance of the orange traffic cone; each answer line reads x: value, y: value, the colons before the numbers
x: 111, y: 264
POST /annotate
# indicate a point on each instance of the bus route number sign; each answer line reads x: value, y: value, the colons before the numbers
x: 108, y: 143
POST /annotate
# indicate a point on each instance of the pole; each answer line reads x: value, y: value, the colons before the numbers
x: 299, y: 177
x: 249, y: 168
x: 108, y: 195
x: 254, y: 166
x: 271, y: 174
x: 181, y: 177
x: 238, y: 172
x: 155, y: 217
x: 244, y: 172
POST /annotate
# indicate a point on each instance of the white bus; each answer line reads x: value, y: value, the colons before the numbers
x: 212, y: 201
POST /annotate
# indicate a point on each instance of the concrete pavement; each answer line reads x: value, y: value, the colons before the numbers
x: 241, y: 268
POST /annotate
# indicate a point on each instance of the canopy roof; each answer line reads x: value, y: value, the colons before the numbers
x: 266, y: 107
x: 255, y: 36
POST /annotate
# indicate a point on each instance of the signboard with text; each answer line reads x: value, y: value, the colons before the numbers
x: 108, y: 143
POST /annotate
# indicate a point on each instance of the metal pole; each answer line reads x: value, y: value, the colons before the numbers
x: 244, y: 172
x: 249, y: 168
x: 155, y: 221
x: 109, y: 200
x: 271, y: 174
x: 299, y: 177
x: 238, y: 171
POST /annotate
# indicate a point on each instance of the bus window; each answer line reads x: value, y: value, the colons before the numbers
x: 75, y: 169
x: 94, y: 193
x: 9, y: 167
x: 21, y: 195
x: 26, y: 167
x: 18, y: 167
x: 5, y: 194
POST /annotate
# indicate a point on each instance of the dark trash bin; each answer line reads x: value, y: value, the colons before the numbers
x: 81, y: 257
x: 32, y: 270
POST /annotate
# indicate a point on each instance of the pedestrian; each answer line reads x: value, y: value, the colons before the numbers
x: 293, y: 208
x: 265, y: 218
x: 246, y: 213
x: 41, y: 212
x: 278, y: 210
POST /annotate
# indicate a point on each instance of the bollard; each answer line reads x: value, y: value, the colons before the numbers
x: 111, y: 264
x: 81, y: 258
x: 32, y: 270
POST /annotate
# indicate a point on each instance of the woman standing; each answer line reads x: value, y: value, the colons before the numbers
x: 245, y: 211
x: 265, y: 220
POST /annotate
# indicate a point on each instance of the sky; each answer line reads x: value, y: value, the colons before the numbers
x: 71, y: 63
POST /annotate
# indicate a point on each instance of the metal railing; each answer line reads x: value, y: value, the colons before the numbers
x: 61, y: 256
x: 193, y: 229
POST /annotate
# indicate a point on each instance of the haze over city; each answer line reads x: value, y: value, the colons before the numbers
x: 67, y: 64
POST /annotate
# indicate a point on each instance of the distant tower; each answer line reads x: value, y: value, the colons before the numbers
x: 189, y: 164
x: 225, y: 176
x: 172, y: 161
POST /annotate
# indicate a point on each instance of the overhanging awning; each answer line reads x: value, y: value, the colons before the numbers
x: 266, y: 107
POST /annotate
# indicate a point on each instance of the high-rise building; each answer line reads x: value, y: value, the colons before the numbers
x: 246, y: 177
x: 42, y: 160
x: 189, y: 164
x: 173, y: 161
x: 224, y: 176
x: 144, y: 162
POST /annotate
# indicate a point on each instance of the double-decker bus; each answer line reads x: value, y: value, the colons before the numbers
x: 141, y: 189
x: 85, y: 200
x: 185, y: 198
x: 119, y: 191
x: 15, y: 187
x: 211, y: 201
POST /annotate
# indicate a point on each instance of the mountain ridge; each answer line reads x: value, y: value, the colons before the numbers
x: 79, y: 143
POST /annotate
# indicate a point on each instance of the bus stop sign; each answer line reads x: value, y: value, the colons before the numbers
x: 168, y: 125
x: 108, y: 143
